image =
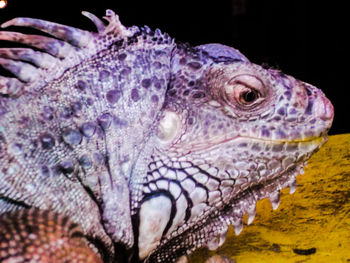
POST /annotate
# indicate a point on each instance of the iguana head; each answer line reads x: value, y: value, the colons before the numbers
x: 192, y: 137
x: 231, y: 133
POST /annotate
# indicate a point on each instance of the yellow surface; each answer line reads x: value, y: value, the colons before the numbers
x: 316, y: 216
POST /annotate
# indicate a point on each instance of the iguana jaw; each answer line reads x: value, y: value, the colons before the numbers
x: 245, y: 203
x: 214, y: 142
x: 213, y: 230
x: 243, y: 199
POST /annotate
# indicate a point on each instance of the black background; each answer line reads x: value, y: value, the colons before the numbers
x: 306, y: 39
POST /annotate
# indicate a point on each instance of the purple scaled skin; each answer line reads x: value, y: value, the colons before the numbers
x: 152, y: 147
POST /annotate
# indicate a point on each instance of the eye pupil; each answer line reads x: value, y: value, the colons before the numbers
x: 249, y: 96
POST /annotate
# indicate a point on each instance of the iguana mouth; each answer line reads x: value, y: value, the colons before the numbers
x: 206, y: 145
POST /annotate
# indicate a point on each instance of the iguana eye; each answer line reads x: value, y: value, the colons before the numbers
x: 244, y: 90
x: 246, y: 95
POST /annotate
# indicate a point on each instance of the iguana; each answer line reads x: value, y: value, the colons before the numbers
x: 124, y: 145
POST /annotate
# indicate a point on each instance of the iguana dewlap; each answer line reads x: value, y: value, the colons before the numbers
x: 124, y: 145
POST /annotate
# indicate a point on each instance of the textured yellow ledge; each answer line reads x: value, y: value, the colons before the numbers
x: 312, y: 225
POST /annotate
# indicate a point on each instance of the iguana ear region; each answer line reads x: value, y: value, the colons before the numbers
x: 43, y: 236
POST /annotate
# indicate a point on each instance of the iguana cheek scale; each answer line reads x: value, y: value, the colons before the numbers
x: 124, y: 145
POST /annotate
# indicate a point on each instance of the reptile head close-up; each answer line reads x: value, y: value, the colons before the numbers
x: 231, y: 133
x: 135, y: 147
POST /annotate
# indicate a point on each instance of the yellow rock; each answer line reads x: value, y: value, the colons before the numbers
x: 312, y: 225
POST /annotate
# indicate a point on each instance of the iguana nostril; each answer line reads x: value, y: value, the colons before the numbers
x: 325, y: 110
x: 308, y: 91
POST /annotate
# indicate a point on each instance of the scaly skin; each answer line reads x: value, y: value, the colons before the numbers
x: 153, y: 147
x: 42, y: 236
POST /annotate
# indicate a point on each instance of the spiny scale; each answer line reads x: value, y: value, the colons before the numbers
x: 235, y: 218
x: 74, y: 36
x: 275, y: 200
x: 238, y: 226
x: 251, y: 213
x: 293, y: 187
x: 39, y: 59
x: 69, y: 47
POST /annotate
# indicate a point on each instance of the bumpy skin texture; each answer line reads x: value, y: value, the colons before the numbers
x: 153, y: 147
x: 42, y: 236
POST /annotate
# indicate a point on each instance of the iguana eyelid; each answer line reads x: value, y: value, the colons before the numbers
x: 249, y: 81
